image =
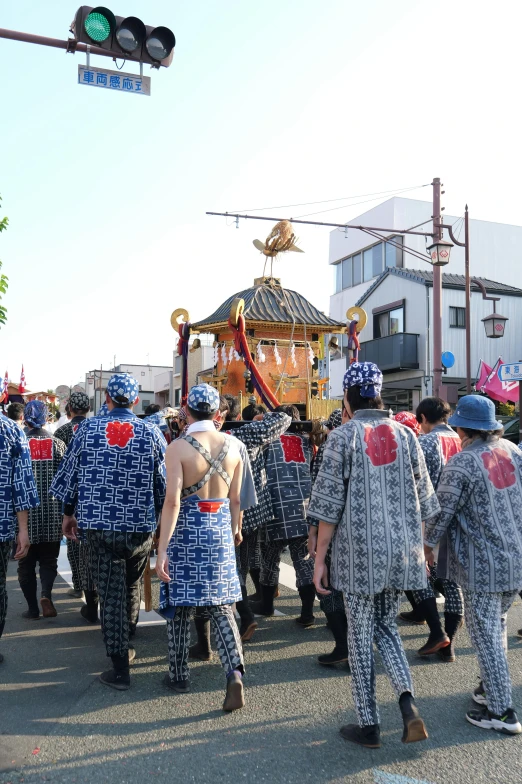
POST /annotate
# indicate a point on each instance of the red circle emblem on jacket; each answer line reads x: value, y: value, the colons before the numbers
x: 119, y: 433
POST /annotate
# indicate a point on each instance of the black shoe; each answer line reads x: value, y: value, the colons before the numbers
x: 433, y: 644
x: 335, y: 657
x: 76, y: 593
x: 508, y: 723
x: 307, y: 618
x: 234, y: 698
x: 479, y: 695
x: 370, y: 736
x: 413, y: 618
x: 132, y: 630
x: 266, y: 605
x: 31, y: 615
x: 116, y: 680
x: 414, y: 728
x: 48, y: 608
x: 180, y: 687
x: 447, y: 654
x: 339, y: 627
x: 519, y: 632
x: 88, y: 615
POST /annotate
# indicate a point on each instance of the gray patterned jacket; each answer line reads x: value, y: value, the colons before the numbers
x: 373, y: 484
x: 480, y: 494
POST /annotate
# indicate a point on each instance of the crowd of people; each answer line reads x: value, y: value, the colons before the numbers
x: 426, y: 503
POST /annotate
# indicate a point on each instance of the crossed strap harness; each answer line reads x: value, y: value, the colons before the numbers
x: 215, y: 465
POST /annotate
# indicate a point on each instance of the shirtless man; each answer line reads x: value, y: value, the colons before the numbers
x: 200, y: 526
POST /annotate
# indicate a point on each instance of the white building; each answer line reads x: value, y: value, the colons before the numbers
x: 146, y: 375
x: 200, y: 359
x: 395, y: 289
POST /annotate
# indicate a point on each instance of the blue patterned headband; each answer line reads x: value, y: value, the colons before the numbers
x: 123, y: 385
x: 36, y: 413
x: 203, y: 398
x: 365, y: 375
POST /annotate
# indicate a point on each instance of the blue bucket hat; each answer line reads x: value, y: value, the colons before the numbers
x: 203, y: 398
x: 123, y: 388
x: 475, y: 413
x: 365, y: 375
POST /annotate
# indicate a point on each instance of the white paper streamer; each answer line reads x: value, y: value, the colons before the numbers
x: 224, y: 354
x: 292, y: 355
x: 311, y: 355
x: 236, y: 356
x: 216, y: 354
x: 260, y: 353
x: 231, y: 354
x: 277, y: 356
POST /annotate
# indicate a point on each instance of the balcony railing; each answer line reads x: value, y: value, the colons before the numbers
x: 395, y: 352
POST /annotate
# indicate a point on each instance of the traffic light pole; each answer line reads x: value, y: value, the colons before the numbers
x: 70, y: 45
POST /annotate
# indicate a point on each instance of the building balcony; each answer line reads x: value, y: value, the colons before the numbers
x: 395, y: 352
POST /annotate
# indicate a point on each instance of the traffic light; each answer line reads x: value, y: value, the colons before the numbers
x: 124, y: 37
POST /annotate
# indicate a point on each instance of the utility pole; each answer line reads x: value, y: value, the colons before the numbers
x: 437, y: 295
x: 468, y: 303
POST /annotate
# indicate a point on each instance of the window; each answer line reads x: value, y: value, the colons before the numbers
x: 368, y: 264
x: 388, y: 322
x: 347, y: 273
x: 142, y: 372
x: 338, y: 271
x: 362, y: 267
x: 377, y: 259
x: 338, y: 347
x: 393, y: 254
x: 458, y: 318
x: 177, y: 397
x: 357, y: 269
x: 144, y: 404
x: 177, y: 365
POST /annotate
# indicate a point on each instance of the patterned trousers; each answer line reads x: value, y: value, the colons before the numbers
x: 226, y: 633
x: 5, y: 550
x: 486, y: 615
x: 372, y: 619
x: 117, y: 563
x: 454, y: 601
x: 303, y: 564
x: 77, y: 555
x: 245, y: 556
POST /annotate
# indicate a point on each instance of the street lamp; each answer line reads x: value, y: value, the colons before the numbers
x: 494, y: 324
x: 440, y: 252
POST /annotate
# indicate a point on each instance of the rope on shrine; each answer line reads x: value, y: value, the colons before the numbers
x: 241, y: 346
x: 183, y: 347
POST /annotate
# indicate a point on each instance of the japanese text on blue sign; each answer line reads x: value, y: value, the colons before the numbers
x: 113, y: 80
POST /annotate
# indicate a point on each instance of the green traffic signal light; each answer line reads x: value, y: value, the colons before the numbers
x: 99, y: 24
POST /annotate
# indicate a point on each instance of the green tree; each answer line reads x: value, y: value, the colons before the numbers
x: 3, y: 278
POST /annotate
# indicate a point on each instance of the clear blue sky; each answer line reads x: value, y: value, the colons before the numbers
x: 267, y: 103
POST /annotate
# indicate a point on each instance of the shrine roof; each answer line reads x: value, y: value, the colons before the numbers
x: 270, y: 303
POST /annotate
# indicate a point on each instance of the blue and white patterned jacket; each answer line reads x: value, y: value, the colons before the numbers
x: 17, y: 486
x: 114, y: 473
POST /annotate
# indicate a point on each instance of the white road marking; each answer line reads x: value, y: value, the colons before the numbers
x: 380, y: 777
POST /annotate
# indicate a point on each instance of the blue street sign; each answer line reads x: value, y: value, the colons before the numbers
x: 114, y: 80
x: 510, y: 372
x: 448, y: 359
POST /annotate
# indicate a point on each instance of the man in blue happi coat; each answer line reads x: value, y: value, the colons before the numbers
x: 18, y: 494
x: 112, y: 482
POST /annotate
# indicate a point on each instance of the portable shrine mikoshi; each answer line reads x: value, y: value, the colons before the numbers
x: 270, y: 341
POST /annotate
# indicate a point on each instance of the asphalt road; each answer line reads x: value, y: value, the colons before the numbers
x: 59, y: 724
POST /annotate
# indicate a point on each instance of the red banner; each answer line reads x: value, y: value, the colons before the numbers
x: 489, y: 383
